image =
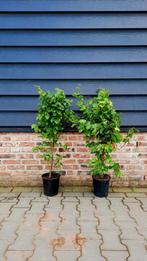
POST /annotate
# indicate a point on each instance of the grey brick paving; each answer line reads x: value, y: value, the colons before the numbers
x: 72, y: 226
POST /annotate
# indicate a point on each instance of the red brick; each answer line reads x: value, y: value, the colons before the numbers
x: 82, y: 149
x: 75, y: 137
x: 34, y: 167
x: 4, y: 138
x: 15, y: 167
x: 11, y: 162
x: 69, y: 161
x: 29, y: 162
x: 25, y: 156
x: 5, y: 150
x: 27, y: 144
x: 82, y: 156
x: 7, y: 144
x: 74, y: 167
x: 7, y: 156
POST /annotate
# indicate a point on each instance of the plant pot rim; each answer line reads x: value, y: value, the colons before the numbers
x: 55, y: 175
x: 101, y: 177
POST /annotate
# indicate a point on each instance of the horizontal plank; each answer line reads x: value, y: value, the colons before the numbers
x: 66, y: 5
x: 73, y: 71
x: 73, y: 21
x: 25, y: 119
x: 72, y: 54
x: 73, y: 37
x: 24, y: 103
x: 88, y: 87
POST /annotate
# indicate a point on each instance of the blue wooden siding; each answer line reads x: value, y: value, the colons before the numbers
x: 63, y: 43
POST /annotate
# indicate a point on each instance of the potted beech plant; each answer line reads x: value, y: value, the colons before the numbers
x: 100, y: 124
x: 53, y: 111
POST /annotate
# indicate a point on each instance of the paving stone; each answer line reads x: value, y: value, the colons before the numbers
x: 18, y: 255
x: 9, y: 194
x: 130, y: 200
x: 129, y: 232
x: 1, y: 199
x: 30, y: 194
x: 9, y: 200
x: 89, y: 230
x: 3, y: 247
x: 37, y: 207
x: 8, y: 230
x: 41, y: 199
x: 91, y: 251
x: 119, y: 209
x: 139, y: 215
x: 67, y: 255
x: 143, y: 202
x: 23, y: 241
x: 111, y: 240
x: 72, y: 194
x: 70, y: 199
x: 116, y: 195
x: 5, y: 210
x: 137, y: 195
x: 54, y: 202
x: 43, y: 251
x: 17, y: 215
x: 65, y: 241
x: 115, y: 255
x: 47, y: 228
x: 106, y: 222
x: 102, y: 207
x: 23, y: 203
x: 137, y: 250
x: 88, y: 194
x: 51, y: 215
x: 69, y: 210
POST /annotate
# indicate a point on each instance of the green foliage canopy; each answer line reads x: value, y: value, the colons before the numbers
x: 100, y: 124
x: 53, y: 112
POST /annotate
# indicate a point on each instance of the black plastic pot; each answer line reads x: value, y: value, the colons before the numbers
x: 101, y: 185
x: 51, y: 185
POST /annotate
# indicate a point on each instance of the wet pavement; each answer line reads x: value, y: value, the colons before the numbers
x: 72, y: 226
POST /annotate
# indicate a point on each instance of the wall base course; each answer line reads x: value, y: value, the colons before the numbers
x: 19, y: 166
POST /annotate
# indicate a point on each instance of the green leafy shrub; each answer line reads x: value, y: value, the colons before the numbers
x: 100, y: 124
x: 53, y: 112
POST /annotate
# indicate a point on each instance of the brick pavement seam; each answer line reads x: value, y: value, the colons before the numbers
x: 101, y: 237
x: 77, y: 223
x: 141, y: 204
x: 10, y: 211
x: 129, y: 211
x: 16, y: 231
x: 39, y: 224
x: 136, y: 223
x: 119, y: 228
x: 57, y: 229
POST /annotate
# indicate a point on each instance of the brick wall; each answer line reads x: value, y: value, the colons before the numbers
x: 20, y: 167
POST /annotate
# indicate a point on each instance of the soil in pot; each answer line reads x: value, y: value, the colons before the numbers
x: 101, y: 185
x: 51, y: 185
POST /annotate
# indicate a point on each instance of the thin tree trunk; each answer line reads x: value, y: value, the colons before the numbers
x: 52, y: 161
